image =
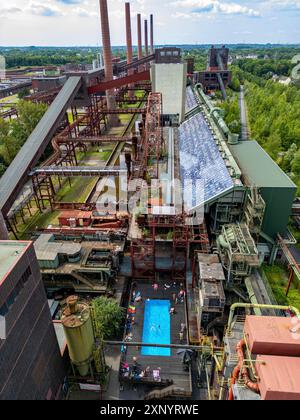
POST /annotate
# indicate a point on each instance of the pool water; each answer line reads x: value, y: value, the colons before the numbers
x: 157, y: 327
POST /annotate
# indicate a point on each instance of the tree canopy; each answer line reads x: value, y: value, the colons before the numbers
x: 14, y: 133
x: 108, y: 316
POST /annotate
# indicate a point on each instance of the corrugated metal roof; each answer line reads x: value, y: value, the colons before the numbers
x: 16, y: 175
x: 258, y: 167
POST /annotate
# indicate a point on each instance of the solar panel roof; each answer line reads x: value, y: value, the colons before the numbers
x: 191, y: 101
x: 203, y: 171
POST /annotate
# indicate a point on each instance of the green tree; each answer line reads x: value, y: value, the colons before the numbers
x: 24, y: 92
x: 107, y: 316
x: 295, y: 165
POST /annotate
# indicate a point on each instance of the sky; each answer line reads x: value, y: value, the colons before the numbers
x: 76, y: 22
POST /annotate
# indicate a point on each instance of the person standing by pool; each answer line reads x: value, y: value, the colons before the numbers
x: 155, y: 287
x: 181, y: 337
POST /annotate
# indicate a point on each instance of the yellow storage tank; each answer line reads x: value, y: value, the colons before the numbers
x: 77, y: 323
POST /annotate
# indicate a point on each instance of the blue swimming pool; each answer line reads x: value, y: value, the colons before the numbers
x: 157, y: 328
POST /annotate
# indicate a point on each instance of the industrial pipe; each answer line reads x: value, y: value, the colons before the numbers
x: 260, y: 306
x: 236, y: 372
x: 166, y: 346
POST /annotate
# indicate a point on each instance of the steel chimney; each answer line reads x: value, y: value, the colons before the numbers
x: 139, y: 35
x: 107, y: 56
x: 151, y: 35
x: 146, y: 39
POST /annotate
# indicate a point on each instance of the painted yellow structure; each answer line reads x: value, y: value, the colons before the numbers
x: 78, y: 327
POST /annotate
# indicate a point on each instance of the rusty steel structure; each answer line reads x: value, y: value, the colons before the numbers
x: 154, y: 138
x: 146, y: 251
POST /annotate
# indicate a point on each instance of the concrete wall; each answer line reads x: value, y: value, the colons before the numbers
x: 170, y: 80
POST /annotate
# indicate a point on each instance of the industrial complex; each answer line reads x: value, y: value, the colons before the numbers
x: 148, y: 198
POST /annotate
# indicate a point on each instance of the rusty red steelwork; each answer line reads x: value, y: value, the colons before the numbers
x: 117, y: 83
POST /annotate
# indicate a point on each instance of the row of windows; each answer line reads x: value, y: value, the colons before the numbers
x: 15, y: 293
x: 169, y: 53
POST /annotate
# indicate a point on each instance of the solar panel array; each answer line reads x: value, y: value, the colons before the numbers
x: 203, y: 171
x: 191, y: 101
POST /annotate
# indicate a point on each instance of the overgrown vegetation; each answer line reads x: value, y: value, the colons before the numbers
x: 108, y: 316
x: 14, y: 133
x: 274, y: 116
x: 278, y: 279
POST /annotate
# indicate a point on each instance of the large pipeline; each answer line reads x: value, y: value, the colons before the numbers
x: 241, y: 369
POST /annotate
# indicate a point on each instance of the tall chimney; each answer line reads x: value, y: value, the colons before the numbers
x: 128, y: 33
x: 151, y: 35
x: 139, y: 34
x: 3, y: 228
x: 107, y: 56
x: 129, y: 40
x: 146, y: 39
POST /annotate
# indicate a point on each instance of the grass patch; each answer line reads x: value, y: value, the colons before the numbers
x: 278, y: 279
x: 36, y: 222
x: 79, y: 191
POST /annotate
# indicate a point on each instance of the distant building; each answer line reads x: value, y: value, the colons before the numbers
x: 42, y: 84
x: 31, y: 366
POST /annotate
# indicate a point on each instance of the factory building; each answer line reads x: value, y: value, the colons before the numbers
x: 169, y: 76
x: 30, y: 362
x: 189, y: 251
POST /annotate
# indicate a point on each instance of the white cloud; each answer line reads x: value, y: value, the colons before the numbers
x: 284, y: 5
x: 46, y: 9
x: 216, y: 7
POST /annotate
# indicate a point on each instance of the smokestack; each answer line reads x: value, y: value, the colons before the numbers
x: 3, y: 228
x: 128, y: 40
x: 139, y: 34
x: 146, y: 39
x: 128, y: 33
x: 151, y: 35
x: 107, y: 56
